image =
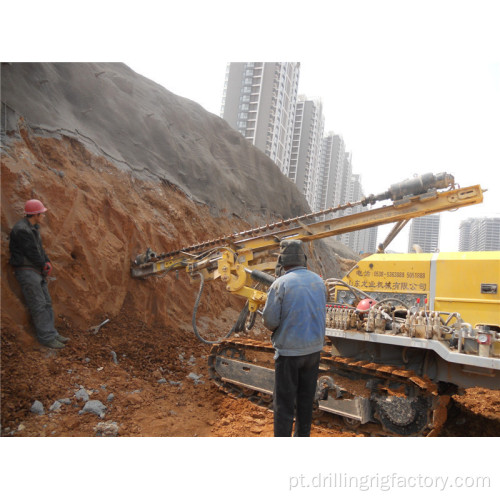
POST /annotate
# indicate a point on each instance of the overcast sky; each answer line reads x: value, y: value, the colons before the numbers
x: 413, y: 87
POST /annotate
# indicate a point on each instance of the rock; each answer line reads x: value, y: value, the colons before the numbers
x: 94, y: 406
x: 106, y: 429
x: 37, y: 408
x: 82, y: 394
x: 174, y: 382
x: 133, y: 399
x: 115, y: 359
x: 55, y: 406
x: 162, y: 381
x: 65, y: 401
x: 111, y: 396
x: 196, y: 378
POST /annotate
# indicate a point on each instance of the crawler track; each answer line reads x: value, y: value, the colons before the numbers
x: 402, y: 403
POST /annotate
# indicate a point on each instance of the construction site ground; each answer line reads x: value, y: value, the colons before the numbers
x: 155, y: 382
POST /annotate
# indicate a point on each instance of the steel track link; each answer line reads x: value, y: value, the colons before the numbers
x: 424, y: 388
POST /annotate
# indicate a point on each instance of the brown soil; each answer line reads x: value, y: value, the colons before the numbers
x: 143, y: 406
x: 99, y: 219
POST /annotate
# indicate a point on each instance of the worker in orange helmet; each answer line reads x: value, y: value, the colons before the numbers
x: 32, y: 268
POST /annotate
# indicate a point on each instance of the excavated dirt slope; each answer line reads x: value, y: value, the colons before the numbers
x: 146, y: 356
x: 145, y: 365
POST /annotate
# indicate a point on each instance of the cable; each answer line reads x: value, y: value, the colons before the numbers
x: 196, y: 304
x: 389, y: 299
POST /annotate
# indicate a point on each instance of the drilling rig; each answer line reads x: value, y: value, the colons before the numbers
x: 404, y: 332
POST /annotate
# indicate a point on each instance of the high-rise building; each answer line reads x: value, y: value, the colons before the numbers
x: 306, y: 147
x: 363, y: 241
x: 330, y: 191
x: 464, y: 243
x: 424, y: 234
x: 259, y: 100
x: 479, y: 234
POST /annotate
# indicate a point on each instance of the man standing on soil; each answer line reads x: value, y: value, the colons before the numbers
x: 295, y: 311
x: 32, y: 268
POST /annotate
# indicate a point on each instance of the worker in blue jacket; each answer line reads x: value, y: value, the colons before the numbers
x: 295, y: 311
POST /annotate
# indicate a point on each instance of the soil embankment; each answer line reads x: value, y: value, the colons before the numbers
x: 123, y: 164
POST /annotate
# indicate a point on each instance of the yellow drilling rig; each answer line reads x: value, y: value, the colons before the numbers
x: 403, y: 331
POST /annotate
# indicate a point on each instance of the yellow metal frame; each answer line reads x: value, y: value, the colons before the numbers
x: 232, y: 264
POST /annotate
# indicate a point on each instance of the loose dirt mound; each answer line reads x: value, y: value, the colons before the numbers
x: 145, y: 366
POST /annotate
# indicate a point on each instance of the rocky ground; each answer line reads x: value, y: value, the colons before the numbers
x: 133, y: 380
x: 144, y: 373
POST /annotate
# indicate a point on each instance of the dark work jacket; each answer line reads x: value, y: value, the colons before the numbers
x: 25, y: 246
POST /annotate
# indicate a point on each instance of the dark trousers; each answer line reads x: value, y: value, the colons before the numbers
x: 295, y: 380
x: 37, y: 297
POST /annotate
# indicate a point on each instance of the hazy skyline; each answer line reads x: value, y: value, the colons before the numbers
x: 398, y: 120
x: 412, y: 87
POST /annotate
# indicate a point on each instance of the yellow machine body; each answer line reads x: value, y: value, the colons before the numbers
x: 463, y: 282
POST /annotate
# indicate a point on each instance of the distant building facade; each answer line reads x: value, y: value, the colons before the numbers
x: 306, y: 147
x: 331, y: 189
x: 260, y: 100
x: 364, y: 241
x: 479, y: 234
x: 424, y: 233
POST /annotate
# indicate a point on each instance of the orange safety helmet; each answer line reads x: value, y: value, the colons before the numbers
x: 34, y: 207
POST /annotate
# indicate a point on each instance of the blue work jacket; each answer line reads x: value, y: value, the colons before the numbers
x: 296, y: 312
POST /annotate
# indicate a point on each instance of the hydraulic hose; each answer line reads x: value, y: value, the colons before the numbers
x: 196, y: 305
x: 389, y: 299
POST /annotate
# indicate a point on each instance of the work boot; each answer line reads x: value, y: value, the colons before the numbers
x: 62, y: 339
x: 54, y: 344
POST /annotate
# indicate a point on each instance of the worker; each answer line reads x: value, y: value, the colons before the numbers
x: 32, y: 268
x: 295, y: 312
